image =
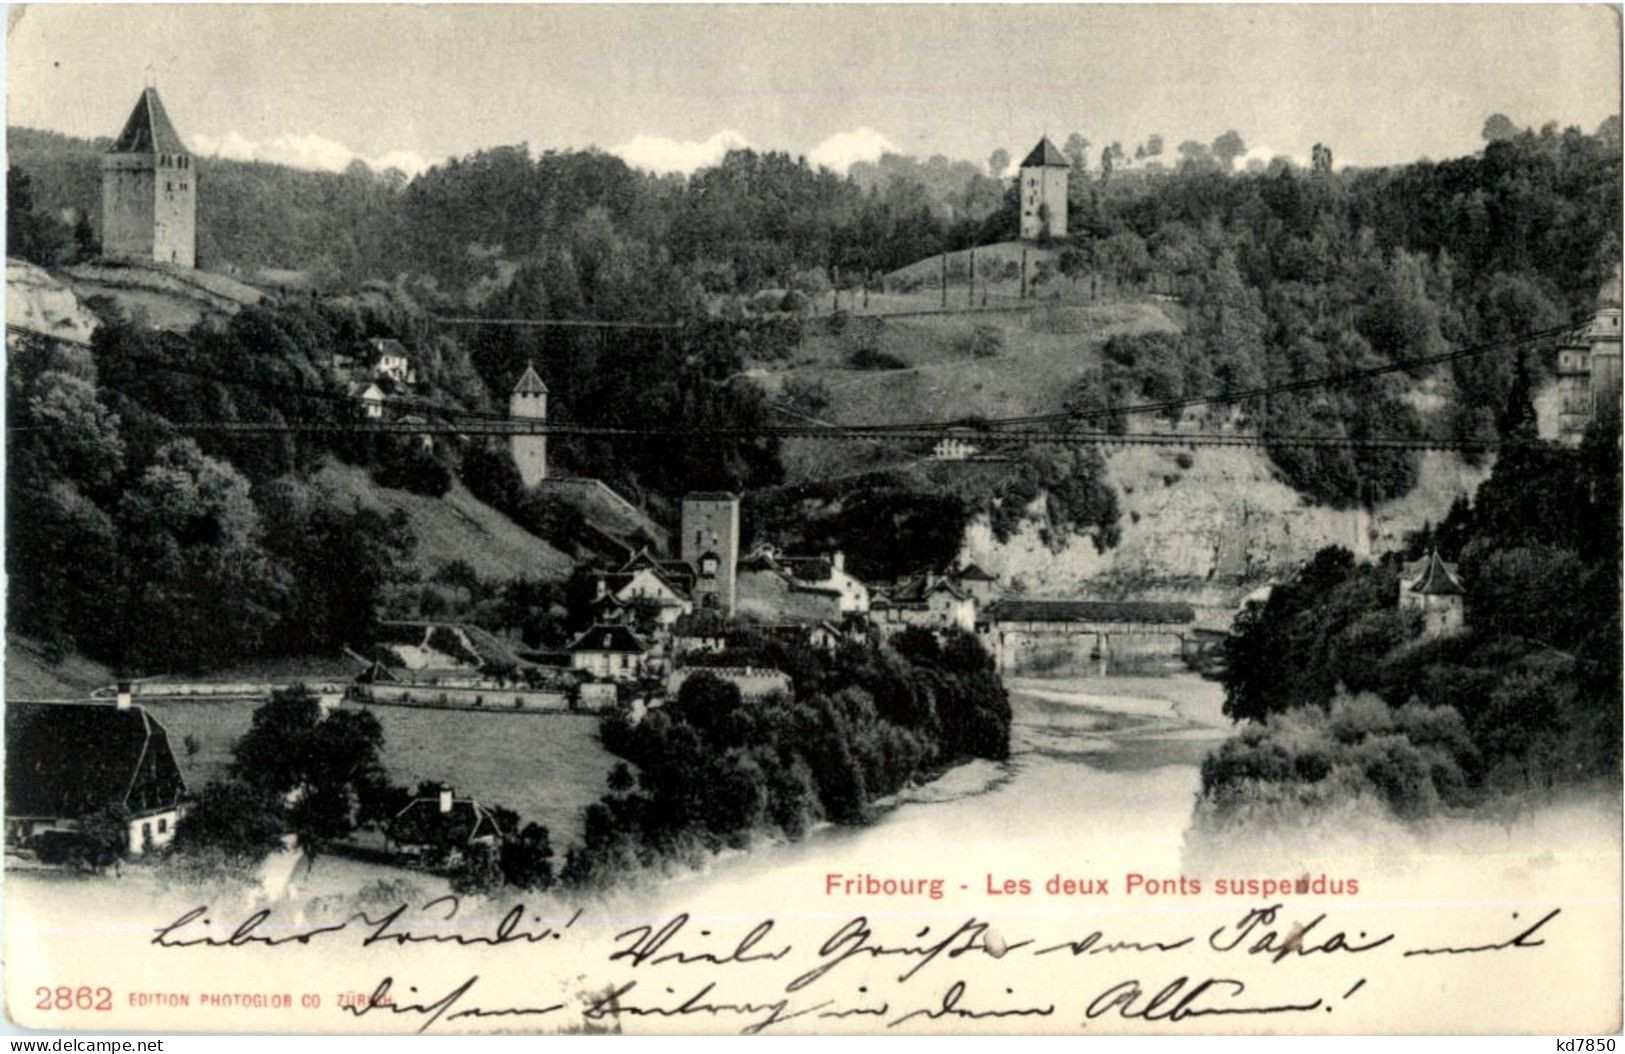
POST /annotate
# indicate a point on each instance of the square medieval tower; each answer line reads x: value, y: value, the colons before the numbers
x: 149, y: 190
x: 710, y: 543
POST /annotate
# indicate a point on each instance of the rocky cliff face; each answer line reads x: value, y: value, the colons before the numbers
x: 37, y: 302
x: 1210, y: 530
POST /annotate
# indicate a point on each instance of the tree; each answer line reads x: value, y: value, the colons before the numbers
x: 1518, y: 422
x: 1193, y: 154
x: 1106, y: 164
x: 1153, y: 146
x: 998, y: 162
x: 32, y: 236
x: 1320, y: 158
x: 527, y: 858
x: 1077, y: 151
x: 1228, y: 147
x: 241, y: 821
x: 198, y: 587
x: 323, y: 766
x: 1498, y: 127
x: 85, y: 244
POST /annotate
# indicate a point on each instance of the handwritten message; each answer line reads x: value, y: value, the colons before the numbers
x: 757, y: 975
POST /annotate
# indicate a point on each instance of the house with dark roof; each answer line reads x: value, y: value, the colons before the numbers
x: 390, y: 360
x: 776, y: 586
x: 1431, y: 586
x: 668, y: 585
x: 970, y: 578
x: 65, y: 761
x: 443, y: 822
x: 701, y: 631
x: 610, y: 652
x: 928, y: 600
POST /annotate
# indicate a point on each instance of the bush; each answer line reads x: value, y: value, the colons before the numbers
x: 868, y: 357
x: 1312, y: 761
x: 985, y: 341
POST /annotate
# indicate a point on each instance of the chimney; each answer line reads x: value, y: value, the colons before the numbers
x: 838, y: 561
x: 125, y: 692
x: 445, y: 799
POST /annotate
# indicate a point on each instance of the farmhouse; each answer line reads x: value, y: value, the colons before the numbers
x: 66, y: 761
x: 444, y: 821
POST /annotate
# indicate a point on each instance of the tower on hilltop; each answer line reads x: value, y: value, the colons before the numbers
x: 149, y: 190
x: 529, y: 403
x: 1043, y: 192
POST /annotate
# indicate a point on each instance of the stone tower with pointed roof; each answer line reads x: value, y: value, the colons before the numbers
x: 1043, y: 192
x: 1430, y: 586
x: 528, y: 402
x: 149, y: 190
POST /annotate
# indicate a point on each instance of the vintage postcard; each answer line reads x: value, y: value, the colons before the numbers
x: 977, y: 519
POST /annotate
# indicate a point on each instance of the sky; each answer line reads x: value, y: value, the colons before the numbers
x: 670, y: 88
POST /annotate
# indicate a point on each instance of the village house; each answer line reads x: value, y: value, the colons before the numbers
x: 665, y: 585
x: 702, y: 632
x: 971, y: 579
x: 369, y: 396
x: 823, y: 574
x: 1431, y: 586
x: 389, y: 360
x: 929, y: 600
x: 65, y: 761
x: 609, y: 651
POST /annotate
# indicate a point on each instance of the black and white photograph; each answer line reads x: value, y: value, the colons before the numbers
x: 981, y: 519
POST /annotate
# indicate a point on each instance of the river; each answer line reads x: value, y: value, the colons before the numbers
x: 1102, y: 774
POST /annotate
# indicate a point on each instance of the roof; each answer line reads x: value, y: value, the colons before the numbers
x: 608, y: 637
x: 387, y: 346
x: 711, y: 495
x: 1090, y: 611
x: 377, y: 673
x: 1434, y: 577
x: 148, y: 131
x: 1046, y: 155
x: 69, y: 759
x: 808, y: 568
x: 916, y: 590
x: 972, y: 573
x: 530, y: 382
x: 464, y: 812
